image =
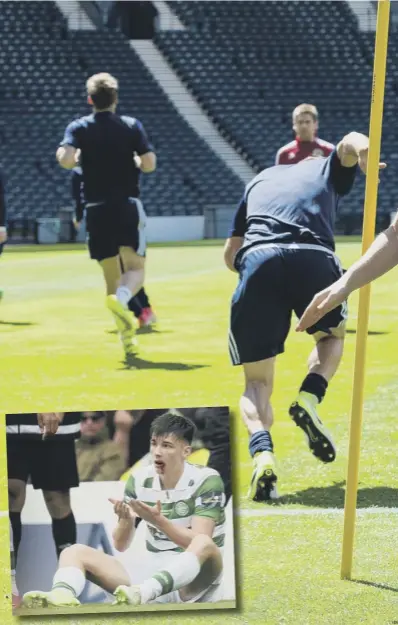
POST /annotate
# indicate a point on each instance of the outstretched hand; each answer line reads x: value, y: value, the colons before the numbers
x: 322, y: 303
x: 150, y: 514
x: 363, y: 161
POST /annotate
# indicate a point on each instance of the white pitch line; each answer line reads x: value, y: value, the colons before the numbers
x: 309, y: 512
x: 3, y: 513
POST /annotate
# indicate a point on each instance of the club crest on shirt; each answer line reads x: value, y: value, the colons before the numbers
x: 317, y: 152
x: 181, y: 508
x: 291, y: 155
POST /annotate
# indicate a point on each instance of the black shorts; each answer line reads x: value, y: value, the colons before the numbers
x: 50, y: 465
x: 274, y: 281
x: 111, y: 226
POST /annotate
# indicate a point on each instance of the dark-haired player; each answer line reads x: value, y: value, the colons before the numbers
x: 112, y: 150
x: 183, y: 506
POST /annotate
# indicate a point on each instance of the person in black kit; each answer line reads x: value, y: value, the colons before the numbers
x: 3, y: 220
x: 112, y: 150
x: 139, y: 304
x: 282, y: 246
x: 41, y: 449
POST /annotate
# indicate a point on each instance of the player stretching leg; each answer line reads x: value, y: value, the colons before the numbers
x: 112, y: 150
x: 183, y: 506
x: 282, y: 246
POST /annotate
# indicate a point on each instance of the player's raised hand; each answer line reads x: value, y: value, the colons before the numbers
x: 49, y: 422
x: 363, y: 161
x: 122, y: 509
x: 150, y: 514
x: 322, y: 303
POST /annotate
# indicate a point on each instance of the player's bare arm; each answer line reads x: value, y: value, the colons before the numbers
x: 380, y: 258
x: 146, y: 162
x: 231, y: 248
x: 124, y: 531
x: 353, y: 149
x: 181, y: 536
x: 67, y: 156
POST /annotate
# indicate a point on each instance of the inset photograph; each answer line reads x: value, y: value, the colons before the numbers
x: 125, y: 510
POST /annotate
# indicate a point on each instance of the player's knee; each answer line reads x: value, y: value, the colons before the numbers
x: 203, y: 546
x: 16, y: 494
x: 58, y: 503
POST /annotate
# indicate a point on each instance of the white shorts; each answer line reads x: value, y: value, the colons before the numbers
x: 155, y: 562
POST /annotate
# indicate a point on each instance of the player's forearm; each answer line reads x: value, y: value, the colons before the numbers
x: 381, y: 256
x: 231, y: 248
x: 351, y: 146
x: 181, y: 536
x: 122, y: 439
x: 123, y: 534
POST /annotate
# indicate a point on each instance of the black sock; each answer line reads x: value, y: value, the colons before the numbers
x: 16, y: 524
x: 64, y: 532
x: 260, y: 441
x: 315, y: 384
x: 138, y: 302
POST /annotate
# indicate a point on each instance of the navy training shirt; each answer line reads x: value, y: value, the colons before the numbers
x: 108, y: 142
x: 293, y: 203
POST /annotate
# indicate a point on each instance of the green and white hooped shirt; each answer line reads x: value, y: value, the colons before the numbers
x: 199, y: 492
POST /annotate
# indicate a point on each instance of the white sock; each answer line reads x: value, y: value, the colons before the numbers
x: 124, y: 295
x: 14, y: 587
x: 70, y: 578
x: 181, y: 571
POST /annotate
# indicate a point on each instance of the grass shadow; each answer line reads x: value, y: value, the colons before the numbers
x: 370, y: 332
x: 333, y: 497
x: 17, y: 323
x: 139, y: 363
x: 375, y: 585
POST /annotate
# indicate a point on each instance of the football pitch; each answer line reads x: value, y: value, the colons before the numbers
x: 60, y: 352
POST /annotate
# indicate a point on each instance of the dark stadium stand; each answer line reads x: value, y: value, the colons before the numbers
x: 44, y: 69
x: 248, y: 64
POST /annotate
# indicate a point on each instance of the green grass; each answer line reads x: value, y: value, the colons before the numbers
x: 59, y: 352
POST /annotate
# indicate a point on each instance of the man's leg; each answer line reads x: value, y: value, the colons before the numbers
x: 112, y: 274
x: 76, y: 564
x: 141, y: 307
x: 257, y: 415
x: 16, y: 599
x: 190, y: 572
x: 318, y: 270
x: 322, y: 365
x: 16, y: 496
x: 63, y: 520
x: 260, y: 321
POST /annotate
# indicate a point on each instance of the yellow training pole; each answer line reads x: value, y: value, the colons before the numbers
x: 369, y: 222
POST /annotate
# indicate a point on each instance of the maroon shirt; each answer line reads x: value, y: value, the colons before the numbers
x: 298, y: 150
